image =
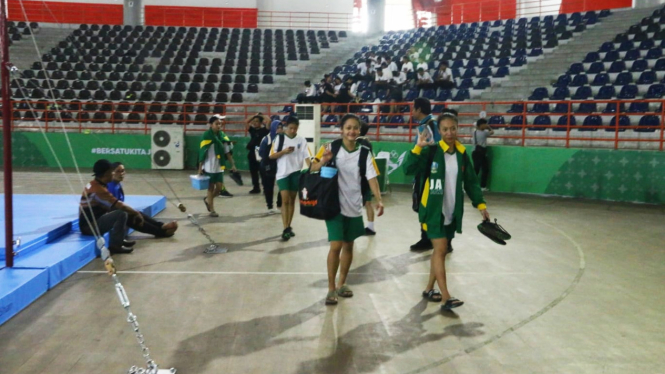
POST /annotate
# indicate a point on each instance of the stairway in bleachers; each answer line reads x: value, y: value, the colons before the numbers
x: 544, y: 72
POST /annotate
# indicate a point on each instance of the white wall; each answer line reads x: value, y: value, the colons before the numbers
x: 315, y: 6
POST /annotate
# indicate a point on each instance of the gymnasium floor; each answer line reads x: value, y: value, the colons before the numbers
x: 579, y: 289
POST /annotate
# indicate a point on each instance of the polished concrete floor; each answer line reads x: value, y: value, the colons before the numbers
x: 579, y: 289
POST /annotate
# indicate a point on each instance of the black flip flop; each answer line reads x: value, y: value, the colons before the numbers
x: 429, y: 295
x: 206, y: 203
x: 451, y: 304
x: 236, y: 178
x: 494, y: 232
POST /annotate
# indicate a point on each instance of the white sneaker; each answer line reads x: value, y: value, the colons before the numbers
x: 274, y: 211
x: 485, y: 189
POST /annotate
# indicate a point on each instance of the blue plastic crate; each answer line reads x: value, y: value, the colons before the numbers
x: 200, y: 182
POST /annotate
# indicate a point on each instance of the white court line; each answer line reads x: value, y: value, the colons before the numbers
x: 166, y: 272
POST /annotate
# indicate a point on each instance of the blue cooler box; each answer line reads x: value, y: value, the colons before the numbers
x: 200, y: 182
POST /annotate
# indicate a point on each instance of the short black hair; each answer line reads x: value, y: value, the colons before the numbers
x: 454, y: 112
x: 444, y: 63
x: 347, y: 117
x: 364, y: 128
x: 308, y: 83
x: 292, y: 120
x: 481, y: 122
x: 423, y: 104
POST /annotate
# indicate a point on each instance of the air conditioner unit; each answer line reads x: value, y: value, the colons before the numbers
x: 167, y: 147
x: 309, y: 116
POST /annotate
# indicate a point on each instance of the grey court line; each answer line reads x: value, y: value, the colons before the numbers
x: 547, y: 308
x: 166, y: 272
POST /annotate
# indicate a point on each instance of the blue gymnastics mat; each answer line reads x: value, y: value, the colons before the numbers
x: 51, y: 248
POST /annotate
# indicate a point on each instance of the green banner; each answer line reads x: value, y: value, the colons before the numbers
x: 619, y: 175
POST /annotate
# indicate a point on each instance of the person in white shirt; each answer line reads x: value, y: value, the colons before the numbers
x: 392, y: 66
x: 308, y: 95
x: 444, y: 77
x: 423, y: 65
x: 365, y: 71
x: 382, y: 80
x: 407, y: 64
x: 214, y: 146
x: 290, y: 150
x: 347, y: 226
x: 387, y: 72
x: 481, y: 163
x: 424, y: 80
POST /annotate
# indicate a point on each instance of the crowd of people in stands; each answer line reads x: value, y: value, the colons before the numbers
x: 381, y: 73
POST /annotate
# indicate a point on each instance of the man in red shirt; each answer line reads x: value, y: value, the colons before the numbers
x: 99, y: 206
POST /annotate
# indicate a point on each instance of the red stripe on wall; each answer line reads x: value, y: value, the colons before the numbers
x: 63, y: 12
x: 465, y: 11
x: 156, y: 15
x: 568, y: 6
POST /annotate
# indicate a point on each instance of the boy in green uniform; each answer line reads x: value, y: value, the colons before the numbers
x: 214, y: 146
x: 447, y: 173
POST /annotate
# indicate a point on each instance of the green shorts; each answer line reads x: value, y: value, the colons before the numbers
x: 346, y: 229
x: 215, y: 177
x: 290, y: 182
x: 441, y: 232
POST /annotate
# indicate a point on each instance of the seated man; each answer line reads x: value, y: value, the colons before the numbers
x: 100, y: 212
x: 424, y: 80
x: 444, y: 77
x: 150, y: 225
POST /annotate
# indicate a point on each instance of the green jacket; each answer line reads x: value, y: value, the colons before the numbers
x: 431, y: 203
x: 216, y: 140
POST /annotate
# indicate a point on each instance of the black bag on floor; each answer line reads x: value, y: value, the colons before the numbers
x: 319, y: 197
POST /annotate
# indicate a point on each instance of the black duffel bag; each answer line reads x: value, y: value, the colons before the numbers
x: 319, y: 197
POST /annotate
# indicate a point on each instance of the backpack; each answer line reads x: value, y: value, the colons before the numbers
x: 365, y: 149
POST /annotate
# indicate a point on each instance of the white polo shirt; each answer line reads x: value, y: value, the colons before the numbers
x: 292, y: 162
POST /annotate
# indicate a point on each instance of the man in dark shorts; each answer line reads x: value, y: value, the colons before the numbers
x: 256, y: 126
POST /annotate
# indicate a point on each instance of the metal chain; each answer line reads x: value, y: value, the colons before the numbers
x: 212, y: 245
x: 151, y: 365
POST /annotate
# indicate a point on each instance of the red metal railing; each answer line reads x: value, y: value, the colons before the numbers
x: 307, y: 20
x: 158, y: 15
x: 65, y: 12
x: 525, y: 133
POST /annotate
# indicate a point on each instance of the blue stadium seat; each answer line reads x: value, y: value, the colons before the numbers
x: 611, y: 56
x: 502, y: 72
x: 561, y: 93
x: 516, y: 108
x: 638, y: 108
x: 648, y: 121
x: 444, y: 95
x: 632, y: 55
x: 560, y: 108
x: 539, y: 93
x: 639, y: 65
x: 591, y: 57
x: 412, y: 95
x: 595, y: 68
x: 592, y: 120
x: 469, y: 73
x: 606, y: 47
x: 606, y: 93
x: 660, y: 65
x: 397, y: 119
x: 438, y: 108
x: 540, y: 108
x: 482, y: 84
x: 466, y: 84
x: 564, y: 81
x: 586, y: 108
x: 646, y: 44
x: 429, y: 94
x: 331, y: 120
x: 601, y: 80
x: 368, y: 96
x: 612, y: 108
x: 626, y: 46
x: 488, y: 62
x: 654, y: 54
x: 562, y: 123
x: 579, y: 80
x: 582, y: 93
x: 623, y: 122
x: 617, y: 67
x: 540, y: 120
x: 624, y: 79
x: 628, y: 92
x: 462, y: 95
x: 485, y: 73
x: 516, y: 120
x: 496, y: 121
x: 535, y: 52
x: 519, y: 61
x: 656, y: 91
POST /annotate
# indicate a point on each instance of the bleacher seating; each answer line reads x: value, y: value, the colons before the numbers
x: 477, y: 53
x: 155, y: 65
